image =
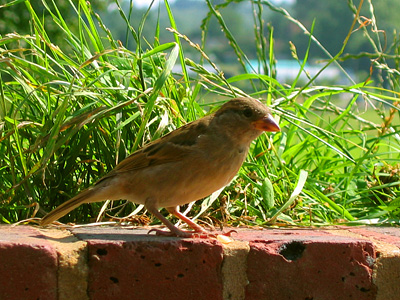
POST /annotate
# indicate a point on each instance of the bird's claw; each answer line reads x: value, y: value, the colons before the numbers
x: 190, y: 234
x: 229, y: 233
x: 179, y: 233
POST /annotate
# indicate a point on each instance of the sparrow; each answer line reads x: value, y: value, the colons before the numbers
x: 185, y: 165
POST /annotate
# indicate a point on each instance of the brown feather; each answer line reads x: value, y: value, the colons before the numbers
x: 167, y: 149
x: 85, y: 196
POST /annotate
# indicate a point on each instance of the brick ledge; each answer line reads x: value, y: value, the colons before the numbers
x: 117, y: 263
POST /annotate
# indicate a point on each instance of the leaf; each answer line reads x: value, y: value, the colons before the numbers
x: 296, y: 192
x: 267, y: 192
x: 158, y: 49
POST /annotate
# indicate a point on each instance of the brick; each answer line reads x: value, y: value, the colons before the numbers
x: 308, y: 264
x: 134, y: 265
x: 28, y: 265
x: 389, y: 235
x: 386, y: 272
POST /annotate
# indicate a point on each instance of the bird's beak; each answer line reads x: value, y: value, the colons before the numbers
x: 267, y: 123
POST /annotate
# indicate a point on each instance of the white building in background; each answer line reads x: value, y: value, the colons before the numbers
x: 288, y: 70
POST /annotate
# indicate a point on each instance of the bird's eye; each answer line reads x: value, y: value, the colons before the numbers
x: 247, y: 112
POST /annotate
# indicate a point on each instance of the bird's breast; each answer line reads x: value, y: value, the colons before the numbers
x: 203, y: 177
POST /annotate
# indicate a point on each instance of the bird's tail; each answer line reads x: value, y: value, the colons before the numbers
x: 86, y: 196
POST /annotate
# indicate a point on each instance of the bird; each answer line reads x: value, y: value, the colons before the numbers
x: 185, y: 165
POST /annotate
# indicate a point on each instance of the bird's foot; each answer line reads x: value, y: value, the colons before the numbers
x: 180, y: 233
x: 190, y: 234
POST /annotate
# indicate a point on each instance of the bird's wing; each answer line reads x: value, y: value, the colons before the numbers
x: 171, y: 147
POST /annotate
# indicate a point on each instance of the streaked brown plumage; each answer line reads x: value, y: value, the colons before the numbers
x: 185, y: 165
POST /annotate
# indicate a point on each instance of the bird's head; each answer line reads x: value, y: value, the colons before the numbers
x: 245, y: 118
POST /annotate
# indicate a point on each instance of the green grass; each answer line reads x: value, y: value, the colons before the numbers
x: 69, y: 113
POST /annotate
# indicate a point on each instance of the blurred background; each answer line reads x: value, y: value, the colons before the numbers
x: 332, y: 20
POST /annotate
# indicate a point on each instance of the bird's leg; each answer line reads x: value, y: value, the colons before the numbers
x: 151, y: 206
x: 198, y: 230
x: 174, y: 231
x: 175, y: 211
